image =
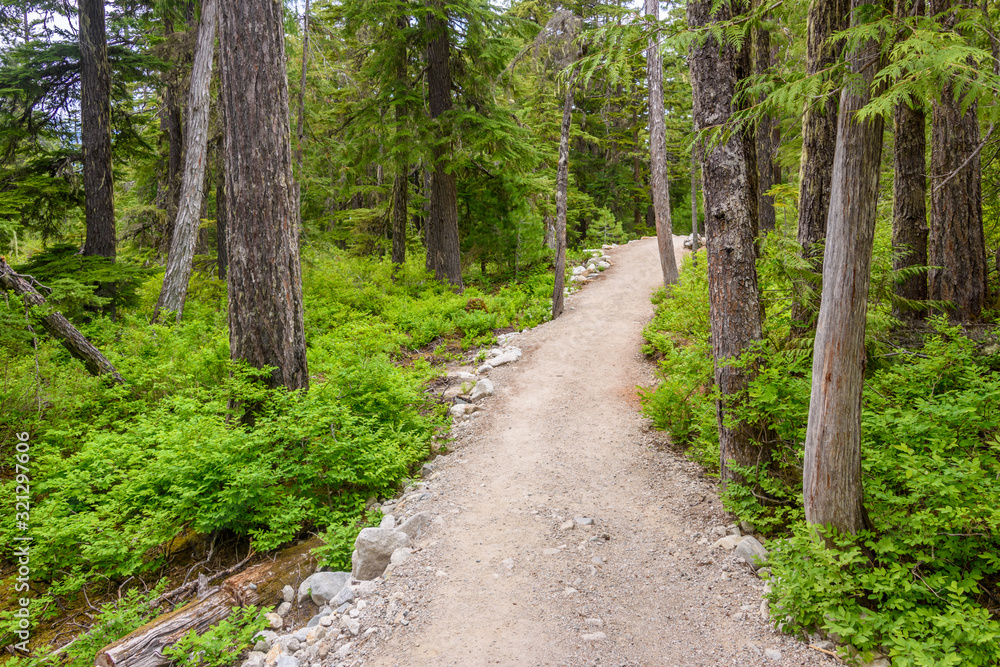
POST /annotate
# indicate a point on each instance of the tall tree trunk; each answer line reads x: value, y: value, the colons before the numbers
x: 957, y: 242
x: 221, y: 213
x: 562, y: 199
x: 819, y: 139
x: 443, y: 251
x: 832, y: 471
x: 743, y: 69
x: 637, y: 198
x: 909, y: 208
x: 764, y: 136
x: 182, y: 245
x: 95, y: 131
x: 400, y: 189
x: 729, y: 238
x: 658, y: 153
x: 300, y: 130
x: 265, y: 276
x: 694, y: 199
x: 171, y: 126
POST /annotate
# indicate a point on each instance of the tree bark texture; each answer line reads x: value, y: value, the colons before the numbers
x: 743, y: 69
x: 694, y: 199
x: 832, y: 470
x: 957, y: 242
x: 659, y: 182
x: 819, y: 139
x: 562, y: 199
x: 764, y: 136
x: 300, y: 129
x: 729, y: 237
x: 264, y: 276
x: 95, y: 130
x: 909, y: 208
x: 182, y: 244
x: 221, y: 213
x: 443, y: 252
x: 59, y: 327
x: 400, y: 189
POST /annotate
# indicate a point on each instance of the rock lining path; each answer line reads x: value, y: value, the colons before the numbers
x: 505, y: 575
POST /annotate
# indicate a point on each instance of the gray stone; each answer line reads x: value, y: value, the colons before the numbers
x: 426, y: 470
x: 344, y: 650
x: 254, y: 659
x: 314, y: 621
x: 584, y: 521
x: 485, y: 368
x: 747, y: 527
x: 291, y: 644
x: 728, y: 542
x: 288, y: 594
x: 508, y: 357
x: 285, y: 660
x: 460, y: 410
x: 346, y: 594
x: 324, y: 586
x: 400, y: 556
x: 266, y: 640
x: 415, y: 525
x: 373, y: 549
x: 388, y: 521
x: 301, y: 634
x: 482, y: 389
x: 752, y: 551
x: 344, y: 607
x: 772, y: 654
x: 326, y: 621
x: 461, y: 376
x: 274, y: 621
x: 283, y: 609
x: 352, y: 625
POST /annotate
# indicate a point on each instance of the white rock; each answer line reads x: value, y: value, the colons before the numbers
x: 274, y: 621
x: 593, y: 637
x: 578, y: 270
x: 566, y: 525
x: 752, y: 551
x: 772, y: 654
x: 460, y: 410
x: 373, y: 549
x: 482, y: 389
x: 461, y: 376
x: 728, y: 542
x: 283, y: 608
x: 485, y: 368
x: 507, y: 357
x: 415, y: 524
x: 352, y: 625
x: 388, y: 521
x: 323, y: 586
x: 288, y: 594
x: 593, y: 622
x: 400, y: 556
x: 285, y: 660
x: 344, y: 650
x: 254, y: 659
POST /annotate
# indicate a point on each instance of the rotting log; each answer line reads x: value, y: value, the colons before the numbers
x: 258, y: 585
x: 58, y: 326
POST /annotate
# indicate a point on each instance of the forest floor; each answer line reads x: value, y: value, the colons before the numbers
x: 501, y: 578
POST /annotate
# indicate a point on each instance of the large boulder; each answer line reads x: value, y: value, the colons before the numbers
x: 323, y: 586
x: 373, y: 549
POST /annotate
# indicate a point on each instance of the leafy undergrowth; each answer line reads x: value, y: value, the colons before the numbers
x: 924, y: 586
x: 119, y: 472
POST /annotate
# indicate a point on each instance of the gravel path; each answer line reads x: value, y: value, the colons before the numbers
x: 505, y: 575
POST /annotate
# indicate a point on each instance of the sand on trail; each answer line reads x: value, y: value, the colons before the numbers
x: 499, y: 578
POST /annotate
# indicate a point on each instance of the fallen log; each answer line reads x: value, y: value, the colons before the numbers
x: 58, y: 326
x: 258, y: 585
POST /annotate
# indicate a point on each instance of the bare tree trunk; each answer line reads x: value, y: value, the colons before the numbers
x: 729, y: 238
x: 182, y: 246
x: 658, y: 153
x: 957, y: 242
x: 95, y: 131
x: 300, y: 130
x: 832, y: 470
x: 765, y: 149
x: 443, y: 252
x: 909, y: 208
x: 562, y: 198
x: 819, y: 138
x: 694, y: 199
x: 59, y: 327
x: 265, y: 279
x: 400, y: 189
x: 221, y: 239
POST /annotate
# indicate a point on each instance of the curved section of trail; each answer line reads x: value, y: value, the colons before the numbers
x: 505, y: 575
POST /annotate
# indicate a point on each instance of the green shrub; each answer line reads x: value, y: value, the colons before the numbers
x: 217, y: 646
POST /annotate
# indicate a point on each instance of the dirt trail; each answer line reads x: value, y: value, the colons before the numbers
x: 499, y: 579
